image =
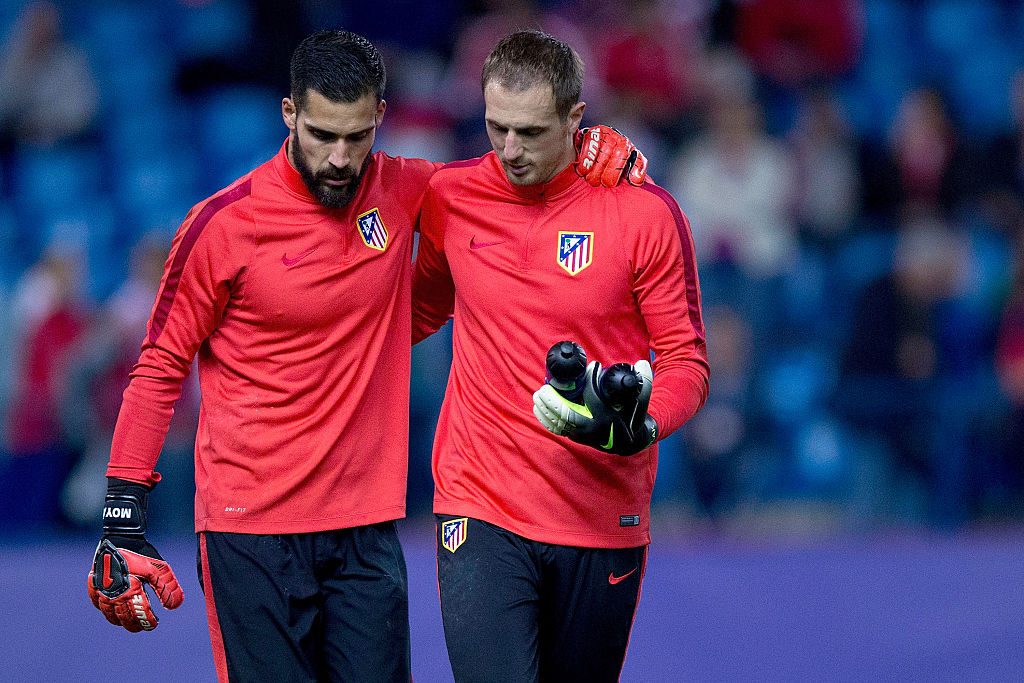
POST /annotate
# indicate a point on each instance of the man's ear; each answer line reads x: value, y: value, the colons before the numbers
x: 379, y: 116
x: 289, y: 113
x: 576, y: 117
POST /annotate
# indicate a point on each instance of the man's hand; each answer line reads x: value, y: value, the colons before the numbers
x: 619, y: 429
x: 606, y: 156
x: 125, y: 562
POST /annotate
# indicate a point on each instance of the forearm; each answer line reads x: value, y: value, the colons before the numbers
x: 430, y: 316
x: 678, y: 394
x: 144, y: 418
x: 433, y: 291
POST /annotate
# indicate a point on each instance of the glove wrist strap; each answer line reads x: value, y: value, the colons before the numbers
x: 650, y: 430
x: 124, y: 510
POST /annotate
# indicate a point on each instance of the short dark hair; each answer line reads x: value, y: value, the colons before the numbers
x: 528, y: 58
x: 340, y: 65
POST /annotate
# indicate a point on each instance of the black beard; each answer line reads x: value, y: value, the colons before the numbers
x: 331, y: 197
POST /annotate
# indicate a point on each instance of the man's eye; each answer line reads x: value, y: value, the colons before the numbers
x: 321, y: 135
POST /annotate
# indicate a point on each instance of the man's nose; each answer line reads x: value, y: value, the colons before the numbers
x: 513, y: 148
x: 340, y: 155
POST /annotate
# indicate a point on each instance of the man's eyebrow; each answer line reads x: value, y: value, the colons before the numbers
x: 318, y: 129
x: 517, y: 129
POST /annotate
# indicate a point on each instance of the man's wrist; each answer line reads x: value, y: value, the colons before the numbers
x: 651, y: 428
x: 124, y: 510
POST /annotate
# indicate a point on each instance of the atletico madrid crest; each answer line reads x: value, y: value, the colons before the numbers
x: 575, y: 250
x: 453, y: 533
x: 372, y: 229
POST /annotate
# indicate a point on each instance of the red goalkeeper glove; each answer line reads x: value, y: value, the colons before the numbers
x: 125, y: 562
x: 606, y: 156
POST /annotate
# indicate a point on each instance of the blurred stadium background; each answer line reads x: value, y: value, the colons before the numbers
x: 848, y: 504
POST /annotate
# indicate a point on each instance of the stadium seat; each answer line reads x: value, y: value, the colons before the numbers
x: 238, y: 128
x: 59, y: 177
x: 157, y: 180
x: 210, y: 29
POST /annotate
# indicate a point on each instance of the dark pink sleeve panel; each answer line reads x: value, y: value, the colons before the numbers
x: 433, y: 290
x: 174, y: 270
x: 207, y: 255
x: 667, y: 290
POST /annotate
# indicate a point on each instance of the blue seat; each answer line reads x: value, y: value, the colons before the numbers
x: 144, y: 133
x: 92, y: 229
x: 12, y: 258
x: 143, y: 82
x: 114, y: 30
x: 211, y: 29
x: 979, y: 86
x: 59, y: 177
x: 157, y: 180
x: 862, y: 258
x: 823, y: 451
x: 795, y: 384
x: 238, y: 128
x: 958, y: 28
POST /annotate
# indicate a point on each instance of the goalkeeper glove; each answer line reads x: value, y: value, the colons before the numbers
x: 606, y: 156
x: 125, y: 561
x: 613, y: 416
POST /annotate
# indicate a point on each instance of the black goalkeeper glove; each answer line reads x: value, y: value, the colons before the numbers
x: 613, y: 416
x: 125, y: 561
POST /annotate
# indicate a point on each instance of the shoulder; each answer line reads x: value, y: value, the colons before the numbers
x: 649, y: 202
x: 227, y: 211
x: 651, y: 216
x: 458, y: 173
x: 408, y: 172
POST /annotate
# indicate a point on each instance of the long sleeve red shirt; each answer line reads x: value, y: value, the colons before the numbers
x: 523, y: 268
x: 300, y: 317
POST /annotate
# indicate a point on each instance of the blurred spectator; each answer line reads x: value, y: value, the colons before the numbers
x: 1009, y: 365
x: 90, y: 399
x: 419, y: 125
x: 795, y: 42
x: 475, y: 40
x: 894, y: 365
x: 719, y: 435
x: 228, y: 42
x: 828, y: 181
x: 645, y: 60
x: 737, y: 185
x: 925, y: 163
x: 742, y: 107
x: 47, y: 91
x: 47, y: 306
x: 1004, y: 158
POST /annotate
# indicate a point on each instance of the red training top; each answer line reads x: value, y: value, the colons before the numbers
x: 523, y: 268
x: 300, y: 316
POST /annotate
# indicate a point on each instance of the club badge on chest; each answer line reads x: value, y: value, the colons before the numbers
x: 575, y: 250
x: 372, y: 229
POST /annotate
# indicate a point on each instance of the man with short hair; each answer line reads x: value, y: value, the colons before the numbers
x: 293, y: 287
x: 542, y: 540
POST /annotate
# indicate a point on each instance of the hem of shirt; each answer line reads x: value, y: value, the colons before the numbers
x: 640, y: 536
x: 298, y: 526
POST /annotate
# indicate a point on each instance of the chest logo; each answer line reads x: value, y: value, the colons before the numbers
x: 453, y: 533
x: 291, y: 261
x: 372, y: 229
x: 575, y: 250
